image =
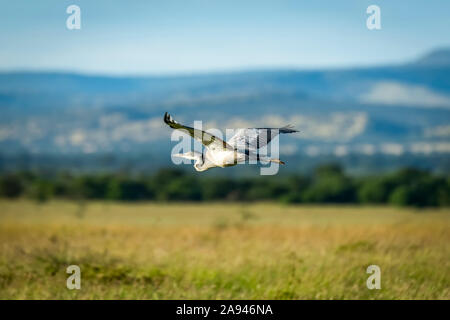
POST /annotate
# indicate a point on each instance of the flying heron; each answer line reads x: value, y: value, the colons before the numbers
x: 240, y: 148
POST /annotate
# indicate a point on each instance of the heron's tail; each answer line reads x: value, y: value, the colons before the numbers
x: 288, y: 129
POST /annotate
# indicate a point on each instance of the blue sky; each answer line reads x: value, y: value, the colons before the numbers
x: 158, y: 37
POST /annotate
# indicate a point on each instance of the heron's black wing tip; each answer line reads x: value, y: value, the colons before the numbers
x: 166, y: 117
x: 288, y: 129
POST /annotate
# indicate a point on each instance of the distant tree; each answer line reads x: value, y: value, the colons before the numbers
x: 408, y: 176
x: 164, y: 176
x: 41, y: 190
x: 296, y: 186
x: 375, y: 190
x: 217, y: 188
x: 327, y: 170
x: 63, y: 184
x: 259, y: 191
x: 330, y: 185
x: 182, y: 189
x: 90, y: 187
x: 417, y: 188
x: 11, y: 186
x: 401, y: 196
x: 128, y: 190
x: 443, y: 194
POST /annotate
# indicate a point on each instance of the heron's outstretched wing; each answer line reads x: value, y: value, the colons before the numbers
x: 208, y: 140
x: 255, y: 138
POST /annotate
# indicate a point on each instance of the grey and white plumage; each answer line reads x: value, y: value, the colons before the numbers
x: 241, y: 147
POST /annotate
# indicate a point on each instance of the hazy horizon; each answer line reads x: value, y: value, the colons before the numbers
x: 217, y: 71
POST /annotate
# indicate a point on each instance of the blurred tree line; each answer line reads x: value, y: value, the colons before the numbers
x: 327, y: 184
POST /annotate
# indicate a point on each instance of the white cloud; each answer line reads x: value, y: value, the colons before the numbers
x: 60, y: 141
x: 6, y: 133
x: 430, y: 147
x: 78, y: 137
x: 336, y: 126
x: 396, y: 93
x: 367, y: 149
x: 288, y: 149
x: 439, y: 131
x: 111, y: 120
x: 392, y: 149
x: 111, y: 129
x: 443, y: 147
x: 341, y: 151
x: 312, y: 151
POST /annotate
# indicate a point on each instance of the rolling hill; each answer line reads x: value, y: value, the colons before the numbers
x: 396, y: 111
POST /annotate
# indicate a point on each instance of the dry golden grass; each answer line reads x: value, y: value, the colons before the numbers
x: 215, y: 251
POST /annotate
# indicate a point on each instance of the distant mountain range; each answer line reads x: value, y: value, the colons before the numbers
x: 392, y: 110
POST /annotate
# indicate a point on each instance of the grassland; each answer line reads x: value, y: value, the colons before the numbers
x: 218, y: 251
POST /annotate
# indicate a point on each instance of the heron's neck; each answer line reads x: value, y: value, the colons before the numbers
x: 200, y: 161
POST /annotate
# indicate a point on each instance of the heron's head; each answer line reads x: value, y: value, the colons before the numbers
x: 199, y: 163
x: 199, y: 166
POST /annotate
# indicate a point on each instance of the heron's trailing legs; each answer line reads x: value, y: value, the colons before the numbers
x: 277, y: 161
x: 264, y: 159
